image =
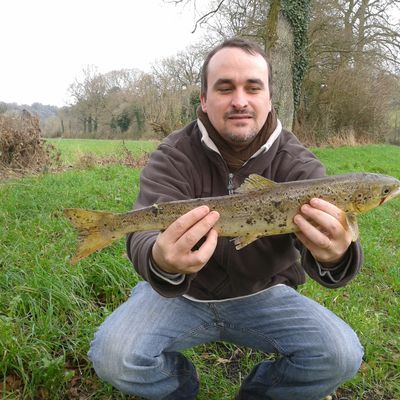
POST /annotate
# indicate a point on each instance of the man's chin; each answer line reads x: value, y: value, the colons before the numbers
x: 240, y: 138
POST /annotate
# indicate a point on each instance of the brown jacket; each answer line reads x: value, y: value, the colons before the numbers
x: 186, y: 166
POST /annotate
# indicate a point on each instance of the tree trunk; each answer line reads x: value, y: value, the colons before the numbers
x: 281, y: 56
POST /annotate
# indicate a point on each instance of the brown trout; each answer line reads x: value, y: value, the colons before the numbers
x: 258, y: 208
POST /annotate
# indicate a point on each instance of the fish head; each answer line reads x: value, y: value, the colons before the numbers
x: 378, y: 189
x: 390, y: 191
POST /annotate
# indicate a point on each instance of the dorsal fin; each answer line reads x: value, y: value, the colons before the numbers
x: 255, y: 182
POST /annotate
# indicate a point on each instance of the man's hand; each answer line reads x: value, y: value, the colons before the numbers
x: 172, y: 250
x: 324, y: 231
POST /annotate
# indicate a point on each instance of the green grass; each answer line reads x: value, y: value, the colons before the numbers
x: 49, y: 310
x: 72, y: 149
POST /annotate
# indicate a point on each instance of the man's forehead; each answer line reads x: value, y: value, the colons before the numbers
x: 236, y: 58
x: 235, y: 64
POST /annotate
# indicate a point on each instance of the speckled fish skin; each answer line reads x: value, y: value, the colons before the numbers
x: 259, y: 208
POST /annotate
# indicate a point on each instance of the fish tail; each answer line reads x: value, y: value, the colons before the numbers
x: 94, y: 230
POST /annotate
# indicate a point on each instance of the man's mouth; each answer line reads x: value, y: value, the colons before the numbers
x: 239, y: 115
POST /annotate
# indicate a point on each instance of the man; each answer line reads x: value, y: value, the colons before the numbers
x: 198, y: 288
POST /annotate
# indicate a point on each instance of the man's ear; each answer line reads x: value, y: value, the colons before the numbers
x: 203, y: 103
x: 269, y: 104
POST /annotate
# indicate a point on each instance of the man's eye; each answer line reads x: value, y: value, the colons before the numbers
x: 224, y: 89
x: 254, y: 89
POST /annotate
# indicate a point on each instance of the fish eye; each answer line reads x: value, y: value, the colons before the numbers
x: 386, y: 191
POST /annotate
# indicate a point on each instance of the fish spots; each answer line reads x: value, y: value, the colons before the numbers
x: 250, y: 221
x: 276, y: 203
x: 269, y: 219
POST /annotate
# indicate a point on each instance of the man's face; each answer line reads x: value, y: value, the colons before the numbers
x: 237, y: 100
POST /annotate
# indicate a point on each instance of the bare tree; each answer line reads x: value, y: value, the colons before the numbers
x: 89, y: 98
x: 183, y: 70
x: 263, y: 22
x: 354, y: 52
x: 354, y: 32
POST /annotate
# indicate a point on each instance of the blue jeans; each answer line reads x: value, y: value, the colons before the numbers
x: 137, y: 349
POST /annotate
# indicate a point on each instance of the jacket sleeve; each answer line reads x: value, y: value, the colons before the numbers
x: 338, y: 275
x: 309, y: 167
x: 168, y: 176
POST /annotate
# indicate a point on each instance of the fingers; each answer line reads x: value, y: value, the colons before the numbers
x: 313, y: 234
x: 195, y: 260
x: 330, y: 209
x: 190, y: 234
x: 323, y: 230
x: 172, y: 250
x: 185, y: 222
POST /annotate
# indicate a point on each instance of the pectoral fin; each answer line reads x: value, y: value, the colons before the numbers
x: 353, y: 225
x: 243, y: 241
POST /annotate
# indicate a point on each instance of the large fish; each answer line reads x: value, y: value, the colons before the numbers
x: 258, y: 208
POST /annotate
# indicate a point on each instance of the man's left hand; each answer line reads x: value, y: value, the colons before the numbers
x: 324, y: 231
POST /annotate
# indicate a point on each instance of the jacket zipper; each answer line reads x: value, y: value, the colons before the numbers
x: 230, y: 183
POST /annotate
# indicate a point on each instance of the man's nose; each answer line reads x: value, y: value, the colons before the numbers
x: 239, y: 99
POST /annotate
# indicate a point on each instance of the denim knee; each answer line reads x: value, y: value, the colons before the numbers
x: 117, y: 364
x: 106, y: 362
x: 354, y: 359
x: 344, y: 359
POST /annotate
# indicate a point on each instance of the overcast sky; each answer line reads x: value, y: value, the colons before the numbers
x: 45, y: 44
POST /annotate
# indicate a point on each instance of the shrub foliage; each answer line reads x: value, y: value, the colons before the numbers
x: 22, y: 149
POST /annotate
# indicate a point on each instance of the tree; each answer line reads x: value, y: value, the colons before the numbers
x: 353, y: 53
x: 354, y: 32
x: 168, y: 96
x: 104, y: 104
x: 89, y: 97
x: 279, y: 26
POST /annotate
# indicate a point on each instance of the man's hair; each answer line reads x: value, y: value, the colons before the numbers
x: 247, y: 46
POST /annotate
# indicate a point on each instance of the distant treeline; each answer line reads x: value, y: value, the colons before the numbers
x: 43, y: 111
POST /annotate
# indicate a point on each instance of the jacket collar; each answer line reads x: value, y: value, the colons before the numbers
x: 205, y: 138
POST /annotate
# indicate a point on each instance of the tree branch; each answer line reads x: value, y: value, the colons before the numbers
x: 205, y: 16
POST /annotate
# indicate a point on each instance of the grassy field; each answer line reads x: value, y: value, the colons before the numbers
x: 72, y: 149
x: 49, y: 310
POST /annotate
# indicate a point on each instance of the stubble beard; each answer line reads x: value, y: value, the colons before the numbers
x: 240, y: 139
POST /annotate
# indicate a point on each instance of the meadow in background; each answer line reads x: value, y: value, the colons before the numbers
x: 49, y: 310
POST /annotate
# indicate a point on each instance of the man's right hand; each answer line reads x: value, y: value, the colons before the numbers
x: 172, y: 251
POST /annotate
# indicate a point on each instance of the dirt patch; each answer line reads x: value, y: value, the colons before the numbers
x: 126, y: 157
x: 348, y: 394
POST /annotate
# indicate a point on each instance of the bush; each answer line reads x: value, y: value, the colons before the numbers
x: 22, y: 149
x: 347, y: 100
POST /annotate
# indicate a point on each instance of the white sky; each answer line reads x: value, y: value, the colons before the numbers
x: 45, y: 44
